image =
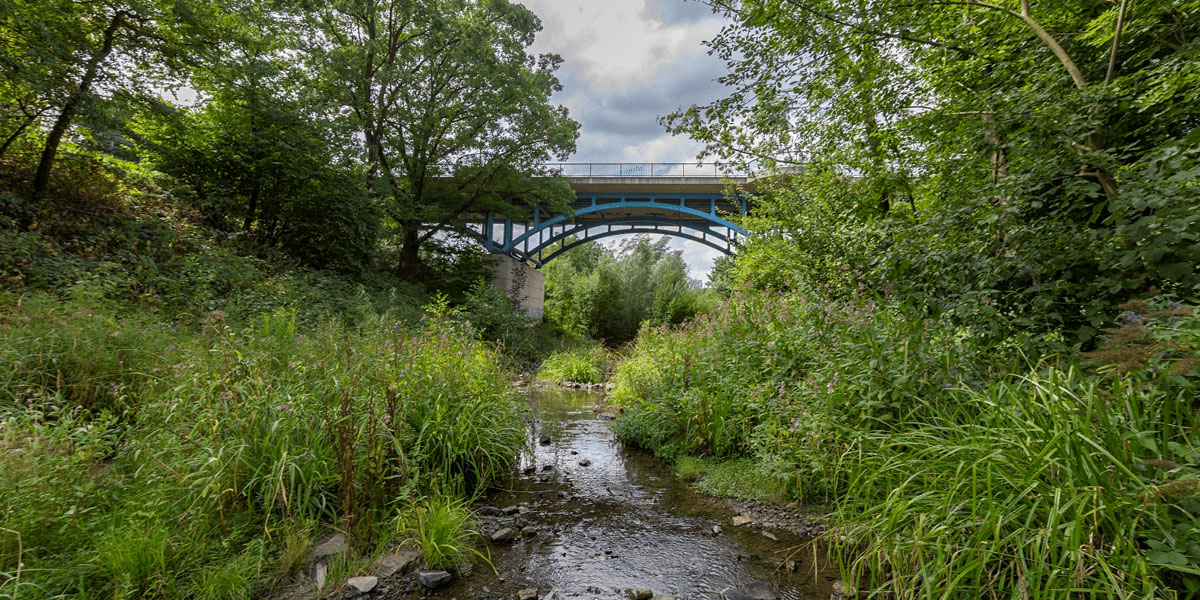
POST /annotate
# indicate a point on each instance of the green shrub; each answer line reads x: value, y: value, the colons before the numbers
x: 232, y: 579
x: 580, y: 364
x: 442, y: 528
x: 79, y: 352
x: 952, y: 464
x: 1059, y: 483
x: 690, y: 468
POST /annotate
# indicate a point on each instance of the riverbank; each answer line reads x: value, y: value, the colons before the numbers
x: 948, y: 462
x: 150, y: 458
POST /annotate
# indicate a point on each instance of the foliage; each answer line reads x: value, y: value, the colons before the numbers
x: 443, y: 530
x: 582, y: 364
x: 1026, y: 165
x: 952, y: 463
x: 477, y: 129
x: 1058, y: 484
x: 62, y: 58
x: 252, y: 159
x: 189, y: 490
x: 594, y: 292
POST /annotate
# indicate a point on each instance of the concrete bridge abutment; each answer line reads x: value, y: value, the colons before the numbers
x: 524, y: 284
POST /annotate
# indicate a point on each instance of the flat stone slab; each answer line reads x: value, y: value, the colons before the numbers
x: 433, y: 579
x: 363, y: 584
x: 398, y: 562
x: 333, y: 544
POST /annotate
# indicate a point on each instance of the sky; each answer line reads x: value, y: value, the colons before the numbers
x: 625, y: 64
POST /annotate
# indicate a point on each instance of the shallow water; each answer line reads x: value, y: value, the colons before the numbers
x: 625, y: 521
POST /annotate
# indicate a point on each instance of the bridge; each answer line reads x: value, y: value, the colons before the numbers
x: 684, y: 200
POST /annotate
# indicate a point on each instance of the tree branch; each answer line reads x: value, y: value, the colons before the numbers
x: 1112, y: 56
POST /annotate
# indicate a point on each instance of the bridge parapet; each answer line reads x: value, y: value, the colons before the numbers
x: 645, y: 169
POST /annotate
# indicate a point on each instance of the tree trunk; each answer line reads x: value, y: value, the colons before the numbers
x: 17, y: 134
x: 409, y: 259
x: 41, y: 180
x: 253, y: 208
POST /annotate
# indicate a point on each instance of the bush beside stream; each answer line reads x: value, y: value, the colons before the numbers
x: 949, y: 464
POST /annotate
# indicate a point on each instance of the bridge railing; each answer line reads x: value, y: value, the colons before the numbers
x: 645, y: 169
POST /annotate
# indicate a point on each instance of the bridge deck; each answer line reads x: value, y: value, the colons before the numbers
x: 681, y: 200
x: 656, y: 185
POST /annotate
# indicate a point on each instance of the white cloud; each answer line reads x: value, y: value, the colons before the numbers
x: 626, y: 63
x: 614, y: 44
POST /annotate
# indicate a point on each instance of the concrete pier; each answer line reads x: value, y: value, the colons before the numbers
x: 521, y: 282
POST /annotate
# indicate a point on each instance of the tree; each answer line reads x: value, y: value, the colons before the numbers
x: 998, y: 151
x: 253, y: 155
x: 61, y: 57
x: 594, y: 291
x: 451, y: 112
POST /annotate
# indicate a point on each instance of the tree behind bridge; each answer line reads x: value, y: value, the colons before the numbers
x: 428, y: 84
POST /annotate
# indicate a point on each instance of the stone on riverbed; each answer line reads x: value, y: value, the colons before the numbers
x: 527, y: 594
x: 755, y: 591
x: 585, y: 463
x: 761, y: 590
x: 841, y: 590
x: 510, y: 510
x: 362, y: 584
x: 716, y: 530
x: 320, y: 570
x: 393, y: 563
x: 739, y: 521
x: 433, y: 579
x: 503, y: 535
x: 640, y: 594
x: 544, y: 439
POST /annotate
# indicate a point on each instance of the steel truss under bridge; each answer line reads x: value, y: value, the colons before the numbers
x: 691, y: 206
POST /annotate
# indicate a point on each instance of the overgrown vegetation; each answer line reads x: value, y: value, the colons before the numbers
x: 964, y: 319
x: 582, y: 364
x: 949, y: 464
x: 169, y: 460
x: 594, y: 292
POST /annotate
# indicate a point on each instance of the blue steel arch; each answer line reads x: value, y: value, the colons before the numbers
x: 679, y: 234
x: 585, y: 232
x: 592, y: 207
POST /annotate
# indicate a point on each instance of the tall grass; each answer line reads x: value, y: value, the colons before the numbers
x: 582, y: 364
x: 223, y: 438
x: 954, y: 466
x: 441, y: 527
x: 1040, y: 488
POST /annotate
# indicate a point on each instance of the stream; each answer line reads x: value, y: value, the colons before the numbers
x: 595, y: 520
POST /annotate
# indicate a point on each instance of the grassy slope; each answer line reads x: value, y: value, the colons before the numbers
x: 953, y: 465
x: 179, y: 418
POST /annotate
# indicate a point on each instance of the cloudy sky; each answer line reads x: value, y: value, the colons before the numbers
x: 626, y: 63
